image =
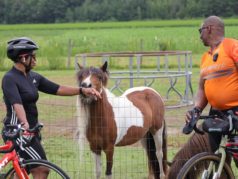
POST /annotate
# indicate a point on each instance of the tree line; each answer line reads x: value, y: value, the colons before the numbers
x: 58, y: 11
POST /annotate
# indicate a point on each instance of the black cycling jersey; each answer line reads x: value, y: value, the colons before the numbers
x: 20, y: 89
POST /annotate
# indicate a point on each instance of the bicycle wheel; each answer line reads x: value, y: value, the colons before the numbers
x: 55, y: 171
x: 197, y: 167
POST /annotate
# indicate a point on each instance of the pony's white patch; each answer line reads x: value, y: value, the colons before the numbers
x: 87, y: 80
x: 158, y: 138
x: 126, y: 114
x: 141, y: 88
x: 82, y: 121
x: 98, y: 165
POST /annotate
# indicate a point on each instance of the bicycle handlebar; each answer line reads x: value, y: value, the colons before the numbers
x: 16, y: 131
x: 192, y: 125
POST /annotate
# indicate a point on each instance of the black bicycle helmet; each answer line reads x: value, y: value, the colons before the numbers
x: 18, y: 46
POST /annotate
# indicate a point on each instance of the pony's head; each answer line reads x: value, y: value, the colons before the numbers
x: 92, y: 77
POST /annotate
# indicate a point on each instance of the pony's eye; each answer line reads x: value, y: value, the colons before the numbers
x: 100, y: 78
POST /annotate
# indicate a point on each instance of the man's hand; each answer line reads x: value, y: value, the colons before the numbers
x: 191, y: 119
x: 193, y: 113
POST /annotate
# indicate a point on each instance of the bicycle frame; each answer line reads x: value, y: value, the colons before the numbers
x: 221, y: 150
x: 12, y: 156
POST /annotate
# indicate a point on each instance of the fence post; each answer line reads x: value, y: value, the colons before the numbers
x: 70, y: 46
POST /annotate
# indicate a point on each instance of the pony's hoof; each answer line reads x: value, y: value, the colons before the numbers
x: 109, y: 177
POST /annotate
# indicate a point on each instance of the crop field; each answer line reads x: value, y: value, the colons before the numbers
x: 54, y: 39
x: 60, y: 132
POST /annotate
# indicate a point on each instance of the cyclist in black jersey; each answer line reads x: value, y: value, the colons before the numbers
x: 20, y: 88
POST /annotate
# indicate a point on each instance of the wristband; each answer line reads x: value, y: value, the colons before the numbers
x: 80, y: 90
x: 197, y: 109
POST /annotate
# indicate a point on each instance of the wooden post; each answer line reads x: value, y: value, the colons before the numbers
x: 70, y: 46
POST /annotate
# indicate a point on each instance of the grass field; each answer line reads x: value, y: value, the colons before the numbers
x: 53, y: 39
x: 60, y: 139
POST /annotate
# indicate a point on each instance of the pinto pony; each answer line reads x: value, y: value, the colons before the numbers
x: 119, y: 121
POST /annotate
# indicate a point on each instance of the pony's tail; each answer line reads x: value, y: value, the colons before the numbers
x: 151, y: 152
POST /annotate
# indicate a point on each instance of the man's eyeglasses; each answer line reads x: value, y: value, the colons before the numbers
x: 202, y: 28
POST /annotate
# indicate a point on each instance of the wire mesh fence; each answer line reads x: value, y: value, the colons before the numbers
x: 61, y: 141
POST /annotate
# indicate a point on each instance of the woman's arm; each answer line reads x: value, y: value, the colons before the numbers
x: 70, y: 91
x: 21, y: 115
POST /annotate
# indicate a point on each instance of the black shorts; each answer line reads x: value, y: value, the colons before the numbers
x: 33, y: 151
x: 215, y: 139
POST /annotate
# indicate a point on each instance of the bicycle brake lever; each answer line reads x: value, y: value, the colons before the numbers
x: 188, y: 128
x: 21, y: 141
x: 233, y: 115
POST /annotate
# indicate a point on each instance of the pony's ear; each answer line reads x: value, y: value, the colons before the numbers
x: 104, y: 67
x: 80, y: 66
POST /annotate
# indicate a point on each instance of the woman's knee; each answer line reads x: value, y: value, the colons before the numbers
x: 41, y: 170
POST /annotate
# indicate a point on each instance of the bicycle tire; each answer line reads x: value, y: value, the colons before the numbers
x: 55, y: 171
x: 192, y: 168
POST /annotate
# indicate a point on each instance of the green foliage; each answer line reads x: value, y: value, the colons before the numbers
x: 54, y: 11
x: 56, y: 55
x: 2, y: 54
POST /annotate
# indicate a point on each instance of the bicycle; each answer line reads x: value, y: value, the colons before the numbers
x: 16, y: 134
x: 209, y: 165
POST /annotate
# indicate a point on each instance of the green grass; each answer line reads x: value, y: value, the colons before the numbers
x: 53, y: 39
x: 100, y: 25
x: 60, y: 141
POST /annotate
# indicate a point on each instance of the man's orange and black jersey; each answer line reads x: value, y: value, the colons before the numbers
x: 20, y: 89
x: 219, y: 70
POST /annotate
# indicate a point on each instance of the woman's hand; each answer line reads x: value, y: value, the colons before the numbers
x: 91, y: 92
x: 25, y: 125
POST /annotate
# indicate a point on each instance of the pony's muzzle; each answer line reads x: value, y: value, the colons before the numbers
x: 85, y: 85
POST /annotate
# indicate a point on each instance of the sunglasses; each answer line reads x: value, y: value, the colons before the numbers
x: 28, y: 55
x: 205, y: 27
x: 202, y: 28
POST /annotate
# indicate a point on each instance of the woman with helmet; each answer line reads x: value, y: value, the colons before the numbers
x: 20, y: 88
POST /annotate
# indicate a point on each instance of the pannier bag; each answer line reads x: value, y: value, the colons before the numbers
x: 216, y: 125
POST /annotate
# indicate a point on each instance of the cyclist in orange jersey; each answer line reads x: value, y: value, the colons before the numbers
x: 218, y: 83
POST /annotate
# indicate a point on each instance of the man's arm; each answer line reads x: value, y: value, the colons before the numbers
x: 201, y: 99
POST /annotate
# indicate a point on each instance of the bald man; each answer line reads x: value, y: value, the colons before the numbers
x: 218, y: 83
x: 218, y: 87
